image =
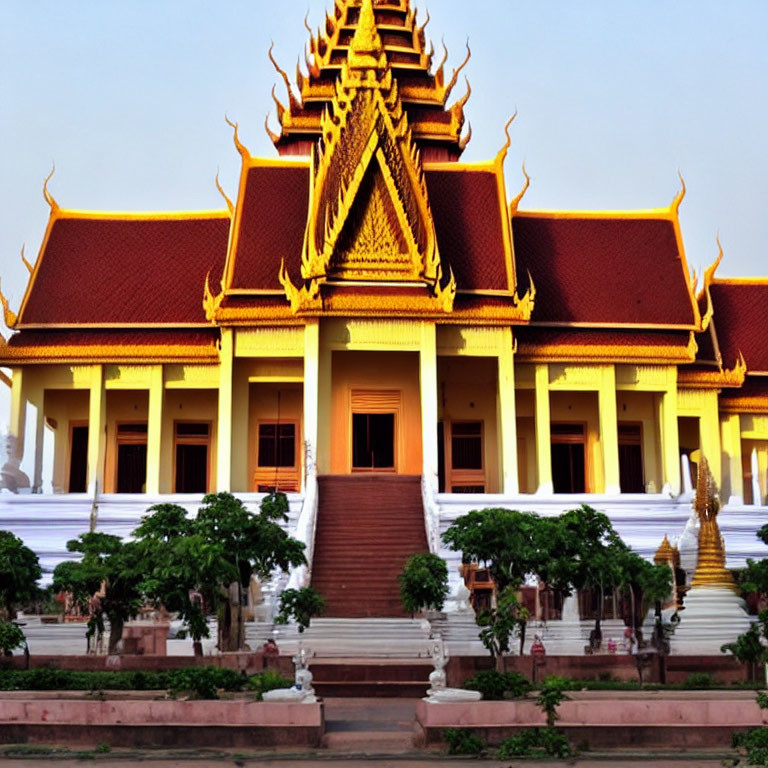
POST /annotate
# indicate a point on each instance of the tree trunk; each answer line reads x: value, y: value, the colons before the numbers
x: 197, y: 646
x: 115, y: 634
x: 231, y: 624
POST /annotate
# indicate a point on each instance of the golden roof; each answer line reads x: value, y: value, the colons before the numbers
x: 423, y: 93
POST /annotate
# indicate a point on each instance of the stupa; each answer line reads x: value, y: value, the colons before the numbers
x: 713, y: 614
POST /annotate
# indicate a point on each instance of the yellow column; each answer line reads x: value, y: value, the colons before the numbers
x: 507, y: 415
x: 97, y: 431
x: 733, y: 477
x: 609, y: 430
x: 428, y: 383
x: 670, y: 439
x: 311, y: 397
x: 709, y: 426
x: 155, y: 429
x: 224, y: 435
x: 18, y: 423
x: 38, y: 402
x: 543, y: 440
x: 324, y: 406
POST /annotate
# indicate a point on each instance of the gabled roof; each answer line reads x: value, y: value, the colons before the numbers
x: 741, y: 317
x: 116, y: 269
x: 596, y: 269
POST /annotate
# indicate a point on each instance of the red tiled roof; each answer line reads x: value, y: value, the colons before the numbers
x: 603, y: 270
x: 104, y: 269
x: 741, y: 317
x: 113, y: 345
x: 468, y: 219
x: 271, y: 226
x: 465, y: 205
x: 597, y: 344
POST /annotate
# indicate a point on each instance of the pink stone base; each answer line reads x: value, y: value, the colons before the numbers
x: 606, y: 719
x: 160, y: 723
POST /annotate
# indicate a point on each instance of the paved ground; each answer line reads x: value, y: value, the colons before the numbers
x: 693, y: 762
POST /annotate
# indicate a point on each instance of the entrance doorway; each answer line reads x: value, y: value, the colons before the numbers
x: 568, y: 458
x: 373, y: 441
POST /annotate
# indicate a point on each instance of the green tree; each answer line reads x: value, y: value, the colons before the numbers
x: 103, y: 582
x: 188, y: 565
x: 500, y: 623
x: 301, y: 605
x: 19, y: 573
x: 424, y: 583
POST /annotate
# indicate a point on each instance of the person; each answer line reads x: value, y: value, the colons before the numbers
x: 537, y: 647
x: 270, y: 648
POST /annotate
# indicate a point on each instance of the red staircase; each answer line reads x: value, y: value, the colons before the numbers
x: 367, y: 527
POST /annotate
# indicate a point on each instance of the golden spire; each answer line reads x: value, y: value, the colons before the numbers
x: 366, y: 50
x: 710, y: 566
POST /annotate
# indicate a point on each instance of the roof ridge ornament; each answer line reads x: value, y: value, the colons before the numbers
x: 29, y: 267
x: 46, y: 192
x: 241, y: 148
x: 366, y: 51
x: 456, y: 72
x: 515, y: 204
x: 709, y: 276
x: 211, y: 303
x: 294, y: 102
x: 9, y: 316
x: 227, y: 200
x: 680, y: 196
x: 502, y: 154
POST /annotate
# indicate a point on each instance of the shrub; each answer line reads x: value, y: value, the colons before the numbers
x: 11, y: 638
x: 424, y: 583
x: 205, y: 682
x: 269, y: 680
x: 300, y: 604
x: 755, y: 744
x: 461, y: 741
x: 699, y: 680
x: 496, y: 686
x: 536, y: 742
x: 552, y: 695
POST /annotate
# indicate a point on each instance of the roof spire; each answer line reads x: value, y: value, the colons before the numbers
x: 366, y: 50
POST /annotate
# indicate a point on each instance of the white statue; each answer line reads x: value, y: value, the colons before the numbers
x: 438, y: 692
x: 302, y: 691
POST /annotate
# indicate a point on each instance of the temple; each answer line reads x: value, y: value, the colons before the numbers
x: 385, y: 333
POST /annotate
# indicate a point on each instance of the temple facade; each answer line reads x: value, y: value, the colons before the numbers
x: 372, y: 322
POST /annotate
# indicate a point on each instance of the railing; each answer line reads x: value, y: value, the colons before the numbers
x: 431, y: 513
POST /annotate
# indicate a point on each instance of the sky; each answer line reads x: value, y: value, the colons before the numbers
x: 128, y: 98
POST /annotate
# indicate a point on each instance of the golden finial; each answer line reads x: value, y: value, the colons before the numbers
x: 280, y: 107
x: 29, y: 267
x: 440, y: 71
x: 230, y: 205
x: 709, y: 276
x: 515, y: 204
x: 291, y: 96
x: 241, y: 148
x: 464, y: 140
x: 457, y: 72
x: 445, y: 296
x: 501, y: 156
x: 710, y: 566
x: 9, y: 316
x: 665, y: 552
x: 306, y: 24
x: 680, y: 195
x: 422, y: 29
x: 528, y: 301
x: 46, y: 192
x: 211, y: 303
x: 275, y: 137
x: 366, y: 50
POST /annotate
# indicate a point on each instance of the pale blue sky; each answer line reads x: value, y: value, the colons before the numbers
x: 129, y: 98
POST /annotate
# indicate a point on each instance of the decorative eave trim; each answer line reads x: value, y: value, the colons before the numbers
x: 117, y: 353
x: 733, y: 377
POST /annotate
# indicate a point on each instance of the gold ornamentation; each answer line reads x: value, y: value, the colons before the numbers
x: 710, y: 566
x: 502, y: 155
x: 9, y: 316
x: 305, y: 299
x: 241, y: 148
x: 46, y: 192
x: 230, y: 204
x: 680, y: 196
x: 709, y: 276
x: 515, y: 204
x: 295, y: 104
x: 211, y: 303
x: 716, y: 379
x: 29, y: 267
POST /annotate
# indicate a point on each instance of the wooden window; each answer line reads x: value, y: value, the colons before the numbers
x: 568, y: 457
x: 277, y: 465
x: 78, y: 457
x: 192, y: 441
x: 631, y: 475
x: 131, y: 458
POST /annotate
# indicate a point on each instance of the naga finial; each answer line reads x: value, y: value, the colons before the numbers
x: 241, y: 148
x: 211, y: 303
x: 466, y: 138
x: 275, y: 137
x: 501, y: 156
x: 8, y: 315
x: 46, y: 192
x: 230, y: 204
x: 515, y: 204
x: 457, y: 72
x: 291, y: 96
x: 29, y: 267
x: 680, y: 196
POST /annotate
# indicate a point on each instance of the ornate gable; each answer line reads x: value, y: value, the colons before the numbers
x: 369, y: 217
